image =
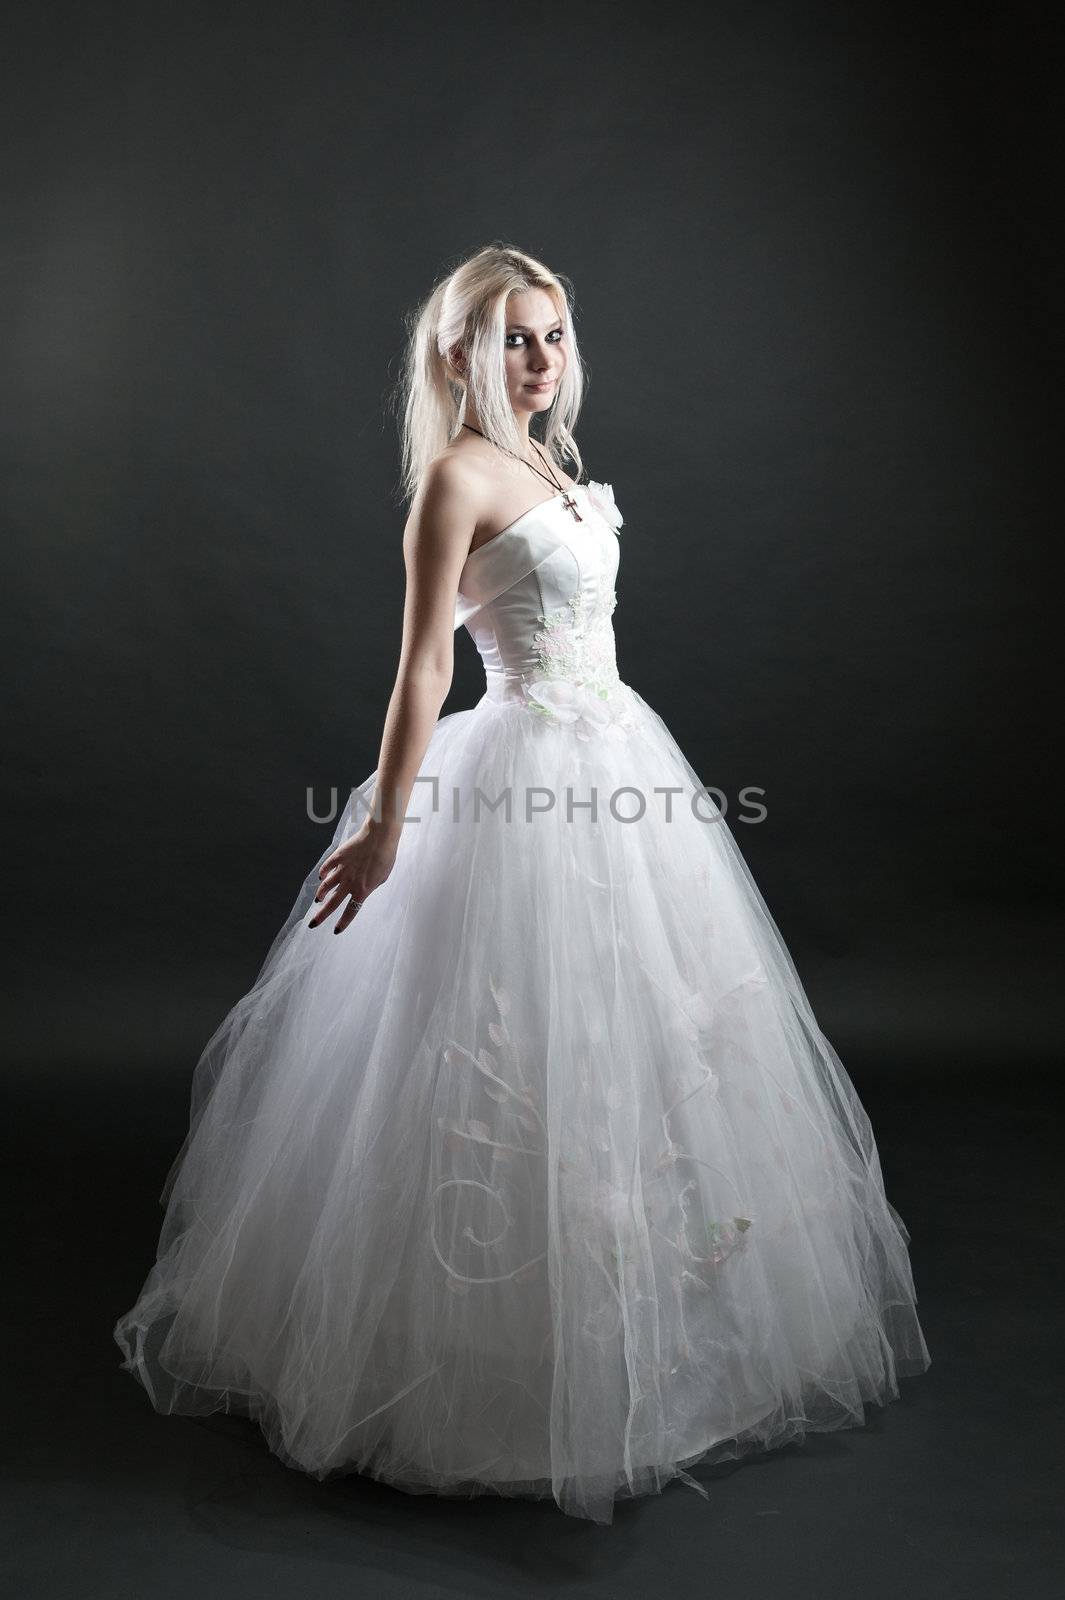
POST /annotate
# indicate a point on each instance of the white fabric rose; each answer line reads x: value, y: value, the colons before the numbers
x: 577, y: 705
x: 602, y: 498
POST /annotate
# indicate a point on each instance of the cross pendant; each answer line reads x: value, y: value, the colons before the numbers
x: 571, y: 505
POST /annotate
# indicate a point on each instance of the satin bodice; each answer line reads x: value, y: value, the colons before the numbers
x: 538, y: 600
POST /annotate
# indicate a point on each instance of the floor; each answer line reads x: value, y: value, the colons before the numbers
x: 952, y: 1491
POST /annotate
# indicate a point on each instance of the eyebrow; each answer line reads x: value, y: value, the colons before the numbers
x: 517, y: 327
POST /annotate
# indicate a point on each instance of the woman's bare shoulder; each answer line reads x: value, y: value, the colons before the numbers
x: 444, y: 512
x: 485, y: 474
x: 456, y: 482
x: 473, y: 495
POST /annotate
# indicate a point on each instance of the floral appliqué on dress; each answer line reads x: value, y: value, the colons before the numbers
x: 602, y: 497
x: 577, y: 684
x: 661, y: 1203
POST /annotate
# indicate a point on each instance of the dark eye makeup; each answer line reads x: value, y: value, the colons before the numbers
x: 555, y: 336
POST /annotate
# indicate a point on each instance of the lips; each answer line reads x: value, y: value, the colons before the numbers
x: 548, y: 383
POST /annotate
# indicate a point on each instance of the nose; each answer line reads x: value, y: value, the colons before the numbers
x: 541, y: 359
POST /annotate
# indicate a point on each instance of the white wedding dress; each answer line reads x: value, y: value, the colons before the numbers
x: 541, y: 1178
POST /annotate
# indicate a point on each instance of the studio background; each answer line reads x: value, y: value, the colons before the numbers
x: 816, y: 294
x: 813, y: 293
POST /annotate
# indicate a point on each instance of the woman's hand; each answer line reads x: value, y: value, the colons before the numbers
x: 356, y: 868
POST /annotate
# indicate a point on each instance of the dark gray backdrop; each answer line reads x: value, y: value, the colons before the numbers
x: 814, y: 290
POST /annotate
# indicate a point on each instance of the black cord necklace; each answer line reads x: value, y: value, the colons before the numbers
x: 567, y: 498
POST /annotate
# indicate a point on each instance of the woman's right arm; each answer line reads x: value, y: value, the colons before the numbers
x: 436, y: 542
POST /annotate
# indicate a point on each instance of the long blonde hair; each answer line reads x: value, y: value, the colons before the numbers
x: 468, y: 308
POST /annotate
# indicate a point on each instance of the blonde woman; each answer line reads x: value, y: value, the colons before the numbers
x: 542, y: 1178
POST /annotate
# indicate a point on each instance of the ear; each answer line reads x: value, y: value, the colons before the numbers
x: 457, y: 359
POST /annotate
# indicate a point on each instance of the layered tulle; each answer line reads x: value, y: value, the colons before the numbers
x: 540, y: 1179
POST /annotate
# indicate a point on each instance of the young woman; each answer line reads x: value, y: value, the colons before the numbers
x: 542, y: 1180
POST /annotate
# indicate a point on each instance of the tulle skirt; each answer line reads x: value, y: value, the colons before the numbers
x: 540, y: 1179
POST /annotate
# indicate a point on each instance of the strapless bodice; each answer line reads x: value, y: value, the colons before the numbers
x: 538, y: 600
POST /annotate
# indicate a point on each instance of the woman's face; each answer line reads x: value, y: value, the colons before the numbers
x: 533, y: 350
